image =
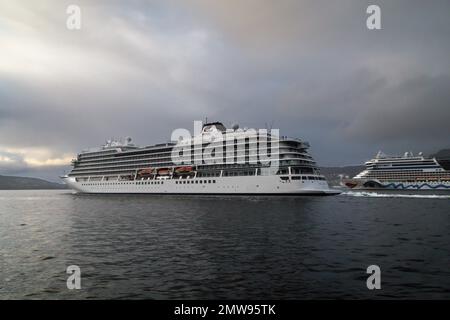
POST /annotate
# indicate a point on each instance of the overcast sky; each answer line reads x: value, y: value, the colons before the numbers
x: 144, y: 68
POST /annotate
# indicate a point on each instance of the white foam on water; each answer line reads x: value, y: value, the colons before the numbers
x: 393, y: 195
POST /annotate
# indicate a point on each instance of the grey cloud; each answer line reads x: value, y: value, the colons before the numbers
x: 417, y: 109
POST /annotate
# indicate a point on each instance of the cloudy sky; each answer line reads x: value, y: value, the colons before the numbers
x: 143, y: 68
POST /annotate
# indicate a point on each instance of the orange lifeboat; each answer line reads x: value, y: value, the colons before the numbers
x: 163, y: 171
x: 184, y: 170
x: 145, y: 172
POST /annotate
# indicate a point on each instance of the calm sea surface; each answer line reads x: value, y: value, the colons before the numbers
x: 180, y: 247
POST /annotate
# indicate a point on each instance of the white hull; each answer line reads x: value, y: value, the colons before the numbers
x: 257, y: 185
x: 406, y: 173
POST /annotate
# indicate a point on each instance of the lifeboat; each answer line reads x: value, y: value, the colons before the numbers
x: 163, y: 171
x: 145, y: 172
x: 186, y: 169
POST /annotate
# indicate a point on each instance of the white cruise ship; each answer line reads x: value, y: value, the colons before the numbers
x: 407, y: 172
x: 215, y: 160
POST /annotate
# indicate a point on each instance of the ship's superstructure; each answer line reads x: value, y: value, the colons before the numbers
x: 214, y: 161
x: 407, y: 172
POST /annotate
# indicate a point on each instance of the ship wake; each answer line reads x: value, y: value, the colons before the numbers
x: 393, y: 195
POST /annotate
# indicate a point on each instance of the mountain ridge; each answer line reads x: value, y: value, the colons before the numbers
x: 27, y: 183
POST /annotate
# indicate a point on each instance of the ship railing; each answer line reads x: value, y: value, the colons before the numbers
x: 284, y: 138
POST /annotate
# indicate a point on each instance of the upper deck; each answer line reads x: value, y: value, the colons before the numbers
x: 216, y: 146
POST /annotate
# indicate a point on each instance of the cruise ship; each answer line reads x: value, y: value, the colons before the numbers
x: 214, y: 160
x: 407, y: 172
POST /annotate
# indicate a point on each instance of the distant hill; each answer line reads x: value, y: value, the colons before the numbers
x: 443, y: 157
x: 444, y: 153
x: 24, y: 183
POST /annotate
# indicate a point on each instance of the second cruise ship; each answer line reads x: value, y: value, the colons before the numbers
x: 407, y: 172
x: 214, y: 160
